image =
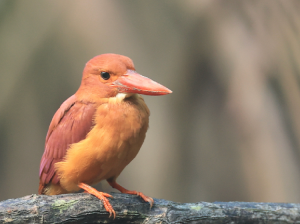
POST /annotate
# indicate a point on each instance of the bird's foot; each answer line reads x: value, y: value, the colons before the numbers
x: 102, y: 196
x: 125, y: 191
x: 144, y: 197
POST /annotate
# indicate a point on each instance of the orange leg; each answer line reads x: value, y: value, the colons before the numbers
x: 101, y: 195
x: 125, y: 191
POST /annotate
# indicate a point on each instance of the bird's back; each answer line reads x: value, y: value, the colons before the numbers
x: 70, y: 124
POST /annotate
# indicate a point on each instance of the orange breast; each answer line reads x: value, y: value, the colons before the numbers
x: 114, y: 141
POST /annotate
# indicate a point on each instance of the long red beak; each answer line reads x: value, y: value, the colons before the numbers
x: 132, y: 82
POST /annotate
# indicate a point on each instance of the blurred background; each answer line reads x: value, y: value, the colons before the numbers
x: 229, y: 131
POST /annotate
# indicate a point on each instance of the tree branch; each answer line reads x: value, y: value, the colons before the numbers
x: 85, y: 208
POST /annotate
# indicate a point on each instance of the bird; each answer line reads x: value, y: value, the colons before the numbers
x: 99, y: 130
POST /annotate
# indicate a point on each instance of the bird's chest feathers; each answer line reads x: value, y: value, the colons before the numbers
x: 119, y: 131
x: 118, y: 134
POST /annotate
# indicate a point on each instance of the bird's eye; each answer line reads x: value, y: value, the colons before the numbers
x: 105, y: 75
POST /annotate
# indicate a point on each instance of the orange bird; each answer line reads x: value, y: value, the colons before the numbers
x: 96, y: 132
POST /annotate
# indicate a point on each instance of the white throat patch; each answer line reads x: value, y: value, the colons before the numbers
x: 121, y: 96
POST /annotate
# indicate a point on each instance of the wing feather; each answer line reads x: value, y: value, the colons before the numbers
x: 70, y: 124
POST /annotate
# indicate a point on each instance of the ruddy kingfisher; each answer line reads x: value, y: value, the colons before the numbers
x: 98, y: 131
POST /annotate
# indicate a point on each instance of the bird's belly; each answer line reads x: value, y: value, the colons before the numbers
x: 112, y: 165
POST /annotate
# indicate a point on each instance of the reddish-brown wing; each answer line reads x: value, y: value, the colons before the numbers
x: 70, y: 124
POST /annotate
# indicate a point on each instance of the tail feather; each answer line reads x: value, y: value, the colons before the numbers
x: 51, y: 189
x: 41, y: 188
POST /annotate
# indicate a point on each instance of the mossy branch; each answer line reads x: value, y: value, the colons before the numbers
x: 85, y: 208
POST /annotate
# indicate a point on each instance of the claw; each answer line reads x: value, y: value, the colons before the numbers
x: 125, y: 191
x: 102, y: 196
x: 146, y: 198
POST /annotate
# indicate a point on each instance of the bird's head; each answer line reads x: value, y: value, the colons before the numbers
x: 107, y: 75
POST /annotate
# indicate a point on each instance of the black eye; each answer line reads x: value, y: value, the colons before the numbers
x: 105, y: 75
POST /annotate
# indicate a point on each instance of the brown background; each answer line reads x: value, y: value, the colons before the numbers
x: 229, y: 131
